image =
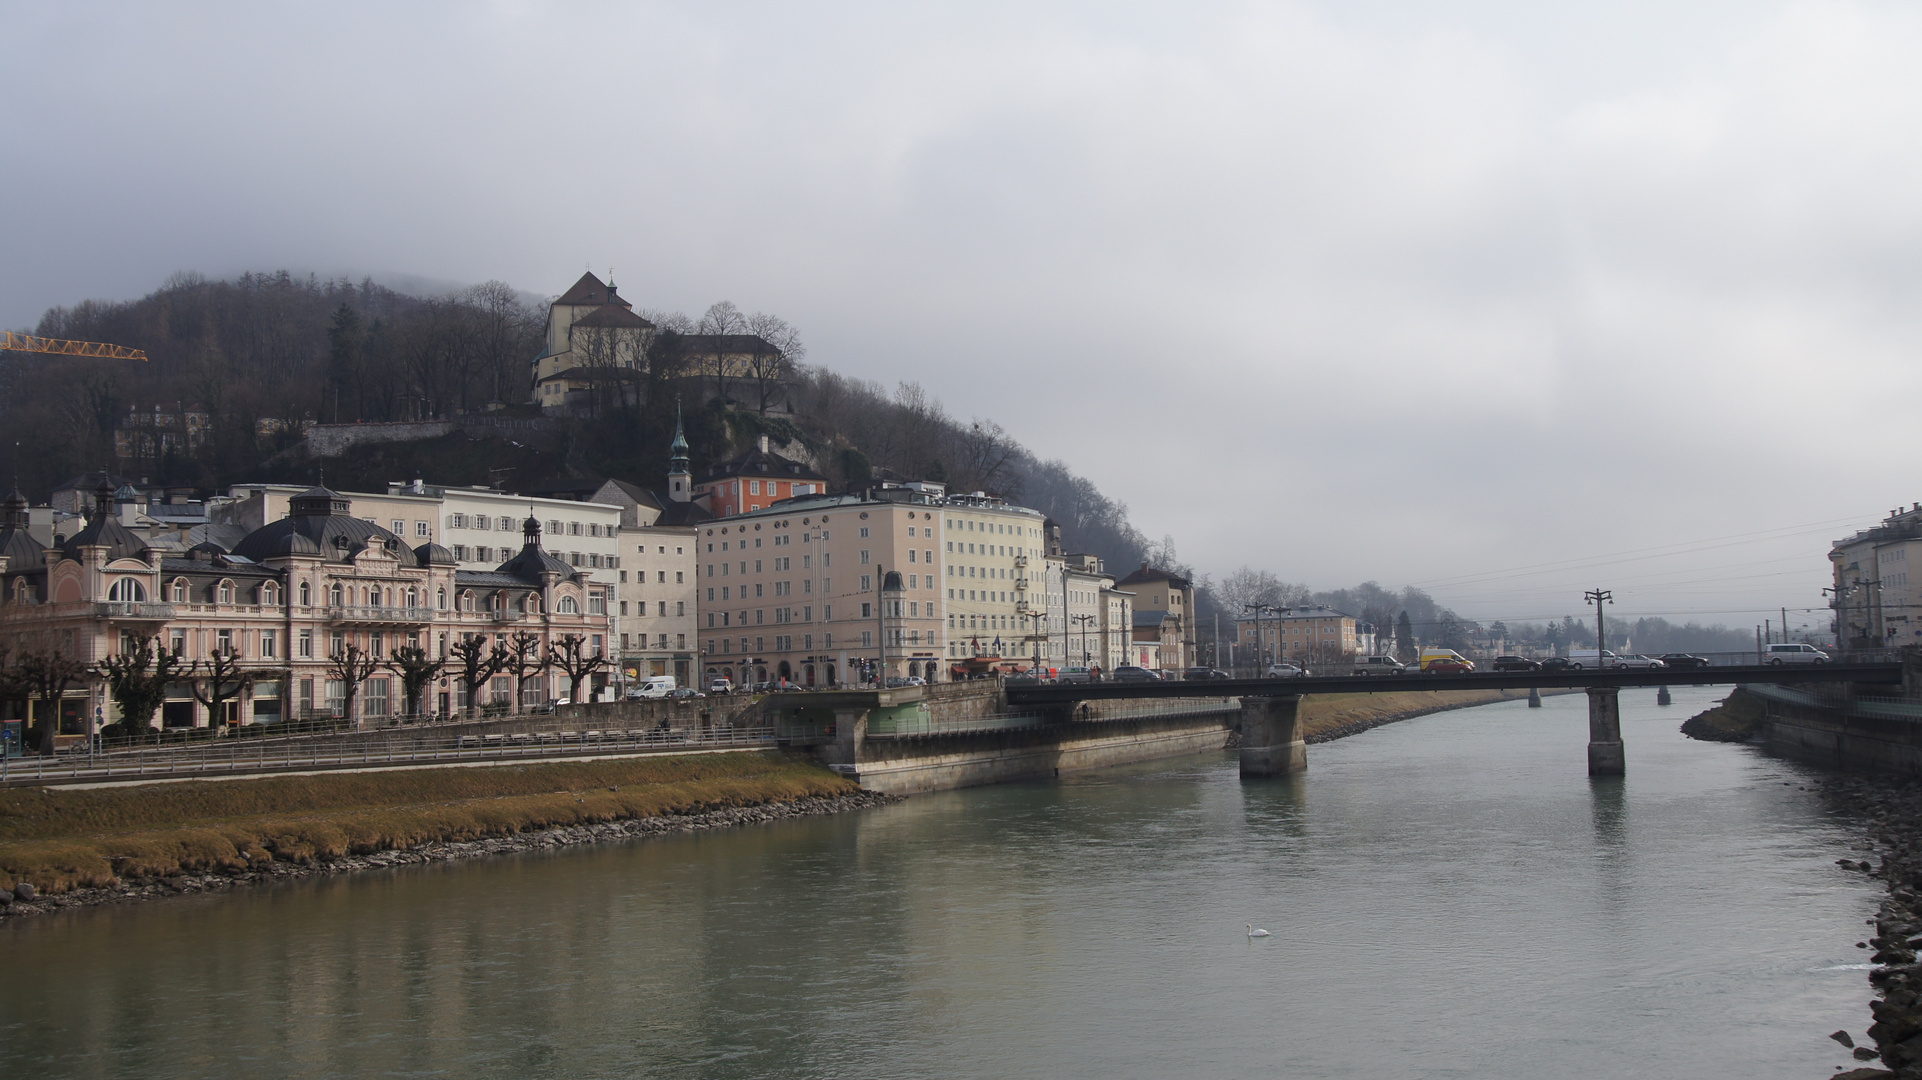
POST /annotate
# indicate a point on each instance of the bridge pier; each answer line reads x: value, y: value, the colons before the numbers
x: 1534, y: 697
x: 850, y: 735
x: 1605, y: 756
x: 1271, y: 743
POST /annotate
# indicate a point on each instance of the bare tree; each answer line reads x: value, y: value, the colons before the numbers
x: 571, y: 656
x: 416, y: 670
x: 720, y: 321
x: 476, y: 660
x: 350, y: 667
x: 137, y: 681
x: 505, y: 334
x: 773, y: 366
x: 49, y: 671
x: 524, y: 659
x: 216, y: 681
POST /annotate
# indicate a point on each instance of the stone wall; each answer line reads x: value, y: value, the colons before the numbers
x: 1842, y: 739
x: 328, y: 440
x: 900, y: 766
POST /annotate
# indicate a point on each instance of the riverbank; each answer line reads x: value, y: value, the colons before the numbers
x: 1337, y: 716
x: 90, y: 845
x: 1891, y: 808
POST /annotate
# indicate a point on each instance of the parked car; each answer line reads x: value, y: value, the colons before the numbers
x: 1131, y: 673
x: 1378, y: 665
x: 719, y: 685
x: 1285, y: 671
x: 1445, y: 660
x: 1637, y: 660
x: 1517, y: 663
x: 1557, y: 663
x: 1076, y: 675
x: 654, y: 686
x: 1683, y: 660
x: 1794, y: 653
x: 685, y: 693
x: 1196, y: 674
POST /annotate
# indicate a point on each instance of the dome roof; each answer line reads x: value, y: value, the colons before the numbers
x: 434, y: 555
x: 23, y: 552
x: 106, y: 531
x: 335, y: 537
x: 126, y: 494
x: 532, y: 562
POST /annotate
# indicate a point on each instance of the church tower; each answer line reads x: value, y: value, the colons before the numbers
x: 680, y: 483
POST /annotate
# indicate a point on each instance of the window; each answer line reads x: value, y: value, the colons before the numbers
x: 504, y: 524
x: 422, y: 531
x: 864, y: 532
x: 224, y: 641
x: 573, y: 528
x: 867, y: 639
x: 597, y: 603
x: 680, y: 607
x: 399, y: 528
x: 226, y: 592
x: 568, y: 606
x: 753, y: 487
x: 269, y: 646
x: 306, y: 644
x: 865, y: 560
x: 127, y: 590
x: 680, y: 577
x: 378, y: 696
x: 867, y: 611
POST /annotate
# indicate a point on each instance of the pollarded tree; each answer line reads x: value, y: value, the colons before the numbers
x: 48, y: 672
x: 475, y: 660
x: 523, y: 660
x: 571, y: 656
x: 350, y: 667
x: 137, y: 681
x: 417, y: 671
x: 215, y: 681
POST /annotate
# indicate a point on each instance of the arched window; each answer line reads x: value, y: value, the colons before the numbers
x: 569, y: 607
x: 127, y: 590
x: 226, y: 592
x: 413, y: 598
x: 180, y: 590
x: 267, y: 595
x: 441, y: 597
x: 334, y: 595
x: 306, y: 594
x: 467, y: 601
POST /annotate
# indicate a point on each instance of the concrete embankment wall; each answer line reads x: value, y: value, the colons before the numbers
x: 1840, y: 737
x: 901, y: 766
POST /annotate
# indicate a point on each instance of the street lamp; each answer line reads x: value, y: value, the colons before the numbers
x: 1084, y: 620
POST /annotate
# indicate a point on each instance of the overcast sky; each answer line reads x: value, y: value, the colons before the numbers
x: 1414, y: 292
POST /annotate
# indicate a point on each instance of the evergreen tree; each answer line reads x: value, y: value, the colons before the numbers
x: 1405, y: 639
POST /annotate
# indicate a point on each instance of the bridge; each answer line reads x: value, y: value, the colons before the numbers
x: 1271, y: 742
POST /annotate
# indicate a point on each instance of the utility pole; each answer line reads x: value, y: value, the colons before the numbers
x: 1785, y: 624
x: 1599, y: 597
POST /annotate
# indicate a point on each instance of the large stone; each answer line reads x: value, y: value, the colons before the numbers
x: 25, y: 890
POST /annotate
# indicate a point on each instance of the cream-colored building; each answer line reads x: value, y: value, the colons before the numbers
x: 1877, y: 598
x: 595, y: 345
x: 659, y: 577
x: 1303, y: 635
x: 1166, y: 601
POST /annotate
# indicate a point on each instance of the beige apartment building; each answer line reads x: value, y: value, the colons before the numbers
x: 1302, y: 635
x: 1877, y: 598
x: 659, y: 606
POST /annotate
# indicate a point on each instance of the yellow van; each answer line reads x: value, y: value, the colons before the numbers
x: 1445, y: 661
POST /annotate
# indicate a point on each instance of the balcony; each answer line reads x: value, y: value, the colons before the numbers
x: 502, y: 615
x: 414, y: 616
x: 1020, y: 562
x: 134, y: 611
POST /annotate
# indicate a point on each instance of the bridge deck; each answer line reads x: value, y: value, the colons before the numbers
x: 1061, y: 693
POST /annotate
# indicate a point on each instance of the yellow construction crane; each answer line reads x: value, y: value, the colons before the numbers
x: 62, y: 347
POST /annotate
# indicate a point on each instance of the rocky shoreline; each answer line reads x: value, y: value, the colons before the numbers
x: 1891, y: 809
x: 27, y: 901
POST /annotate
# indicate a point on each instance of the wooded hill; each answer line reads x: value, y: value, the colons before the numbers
x: 264, y: 354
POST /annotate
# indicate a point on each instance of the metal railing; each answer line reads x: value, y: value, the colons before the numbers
x: 134, y: 609
x: 547, y: 738
x: 1864, y: 705
x: 370, y: 614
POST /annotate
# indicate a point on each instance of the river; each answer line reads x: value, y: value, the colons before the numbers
x: 1449, y: 897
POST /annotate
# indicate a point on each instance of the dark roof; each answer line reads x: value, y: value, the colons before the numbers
x: 337, y: 536
x: 23, y: 552
x: 591, y: 290
x: 1151, y: 617
x: 727, y: 344
x: 686, y: 513
x: 490, y: 579
x: 640, y: 495
x: 1147, y: 574
x: 91, y: 481
x: 106, y: 531
x: 614, y: 315
x: 434, y: 555
x: 758, y: 462
x: 529, y: 566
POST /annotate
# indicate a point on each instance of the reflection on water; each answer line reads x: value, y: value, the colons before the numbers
x: 1450, y: 896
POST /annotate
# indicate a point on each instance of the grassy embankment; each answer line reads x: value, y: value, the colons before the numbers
x: 1736, y: 718
x: 61, y: 840
x: 1321, y: 715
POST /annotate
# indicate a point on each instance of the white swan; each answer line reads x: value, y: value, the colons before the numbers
x: 1252, y: 932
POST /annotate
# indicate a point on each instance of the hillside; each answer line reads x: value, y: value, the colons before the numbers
x: 265, y: 354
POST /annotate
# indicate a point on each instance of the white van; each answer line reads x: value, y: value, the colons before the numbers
x: 656, y: 686
x: 1794, y: 653
x: 1592, y: 658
